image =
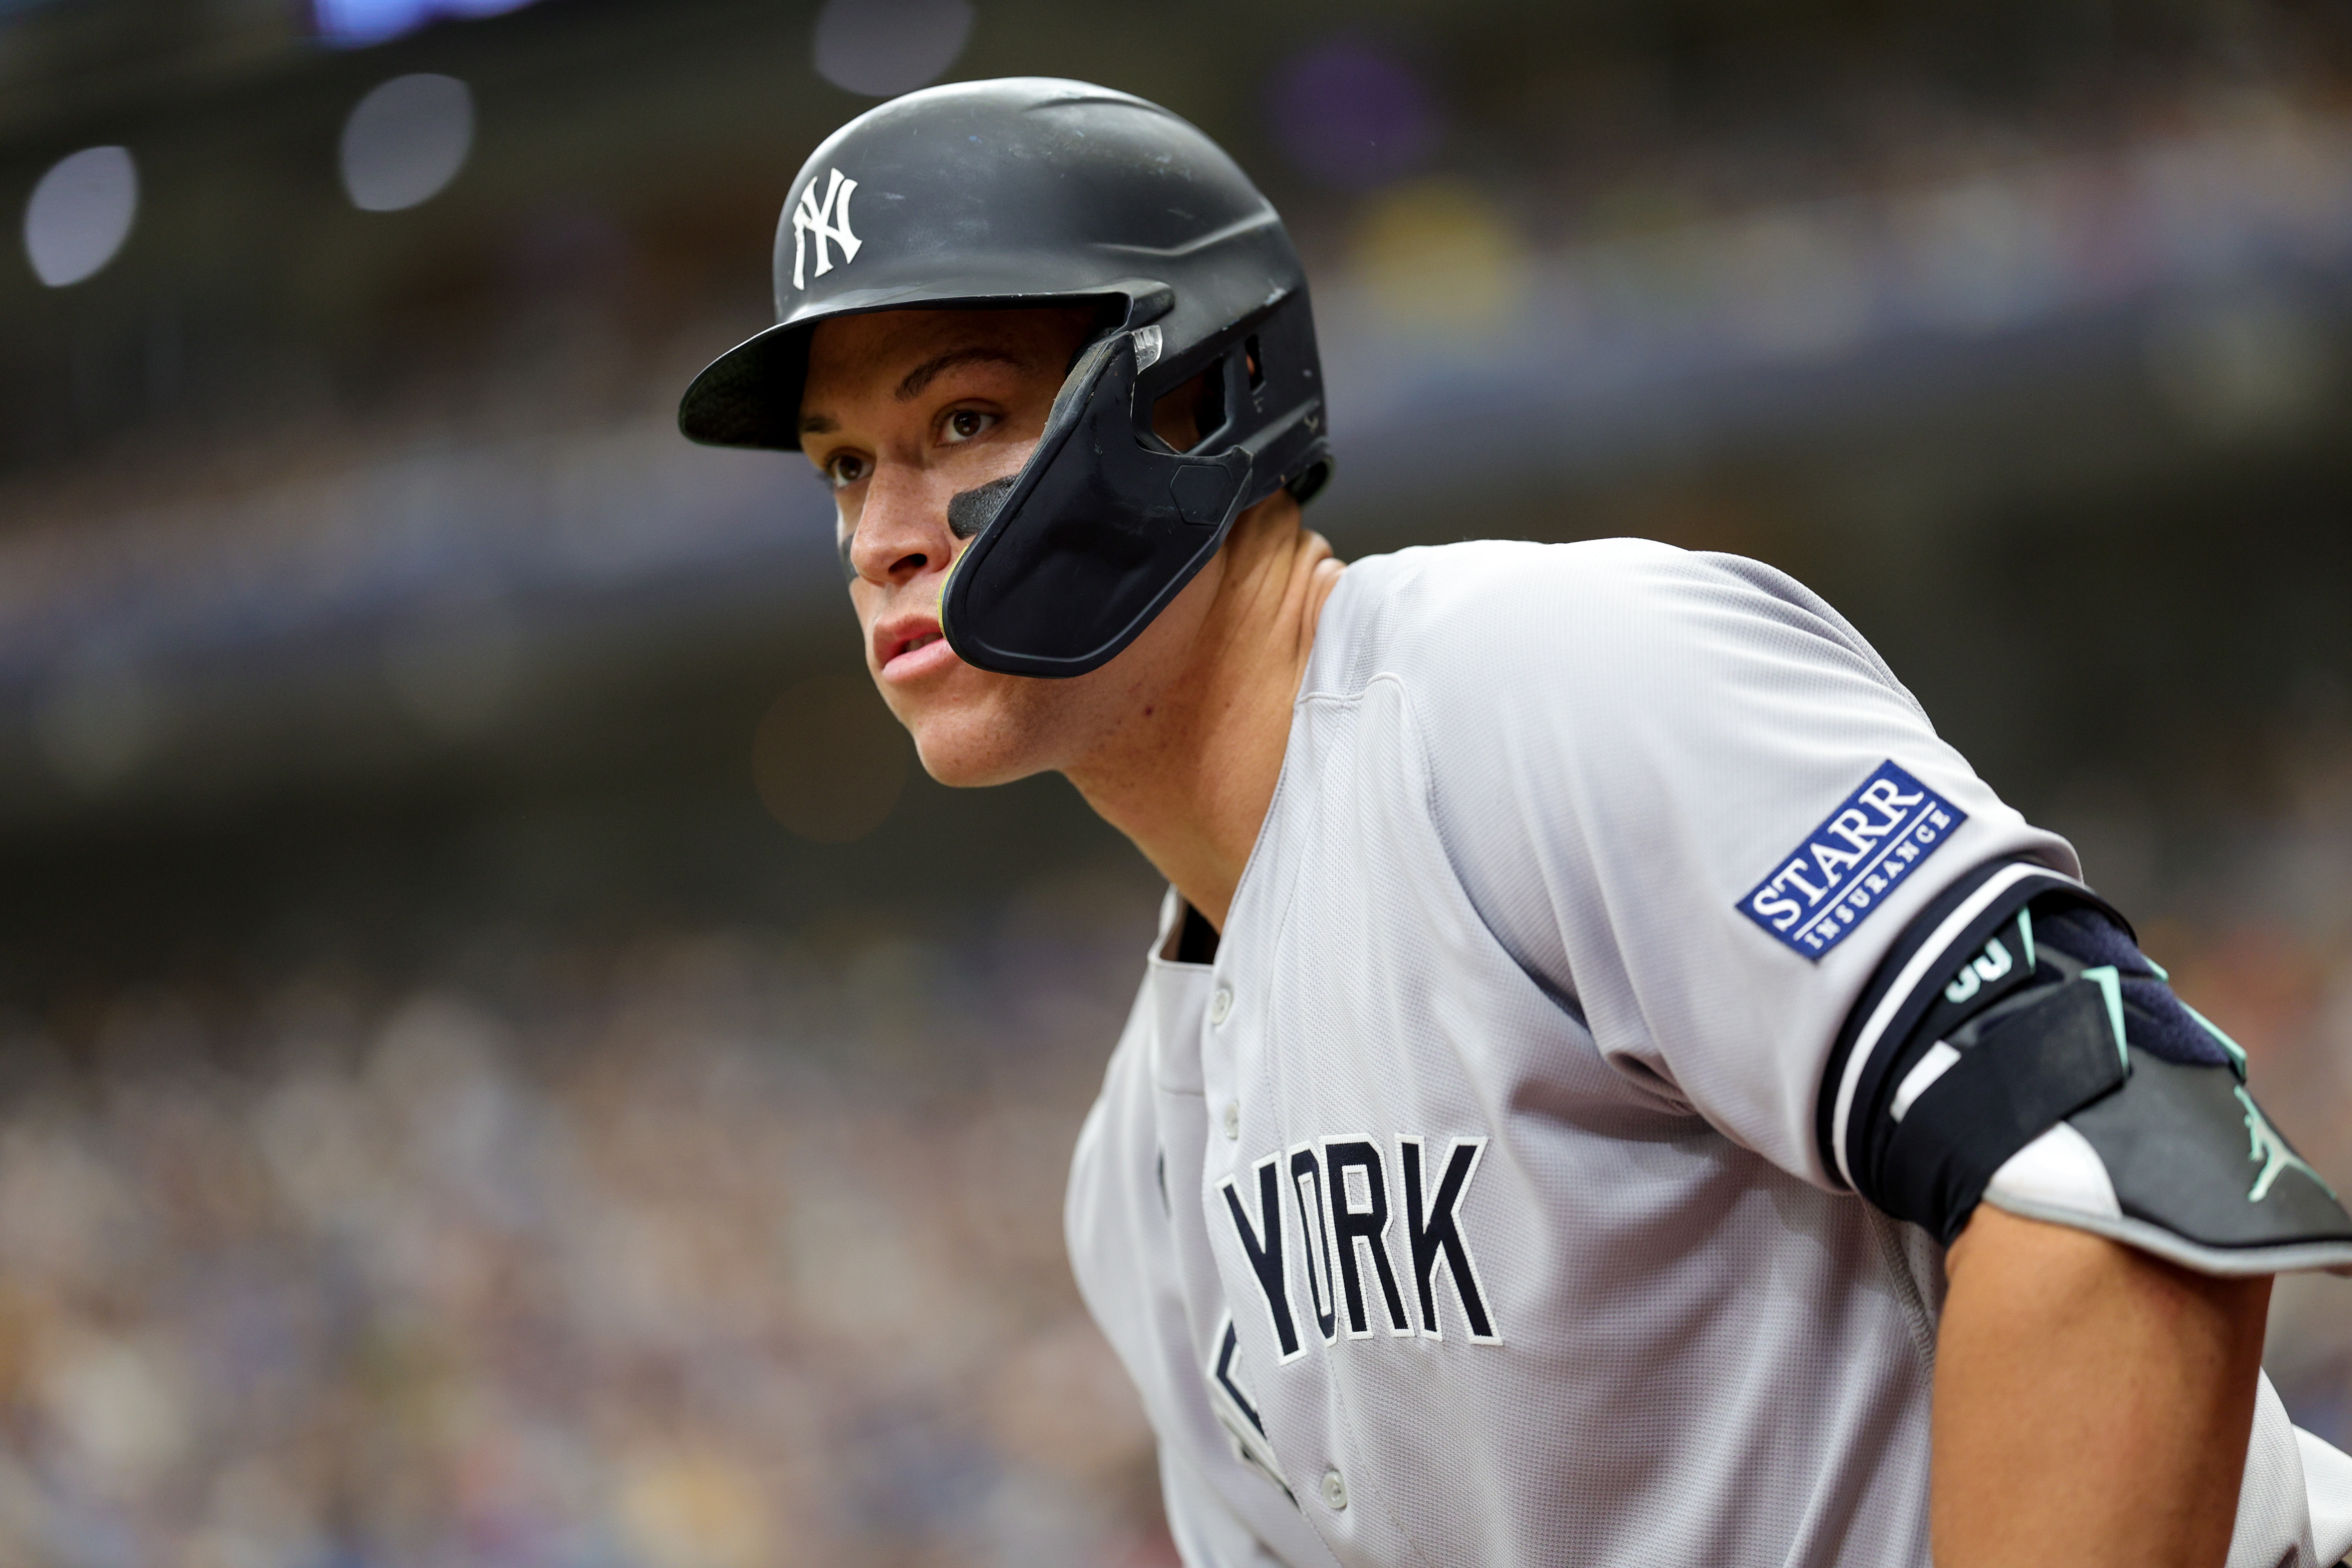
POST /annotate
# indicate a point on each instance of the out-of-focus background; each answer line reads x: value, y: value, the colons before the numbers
x: 503, y: 1057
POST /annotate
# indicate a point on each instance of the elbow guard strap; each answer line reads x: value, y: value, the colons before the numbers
x: 2017, y: 1046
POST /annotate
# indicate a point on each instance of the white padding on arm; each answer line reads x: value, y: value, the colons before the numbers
x: 2060, y: 1178
x: 1936, y: 1061
x: 2057, y: 1174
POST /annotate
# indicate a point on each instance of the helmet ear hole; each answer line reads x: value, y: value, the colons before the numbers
x: 1307, y: 485
x: 1192, y: 411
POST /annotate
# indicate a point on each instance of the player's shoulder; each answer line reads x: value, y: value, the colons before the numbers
x: 1417, y: 610
x: 1432, y: 582
x: 1498, y: 617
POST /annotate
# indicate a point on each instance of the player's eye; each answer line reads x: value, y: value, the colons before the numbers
x: 964, y: 425
x: 845, y: 470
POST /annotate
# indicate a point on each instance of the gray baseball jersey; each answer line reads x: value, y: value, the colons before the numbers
x: 1468, y: 1208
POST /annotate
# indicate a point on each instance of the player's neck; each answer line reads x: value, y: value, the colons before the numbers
x: 1189, y: 778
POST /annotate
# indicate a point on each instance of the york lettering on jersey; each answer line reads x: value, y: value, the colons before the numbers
x: 1315, y: 1240
x: 1359, y: 1226
x: 1433, y: 1232
x: 1235, y: 1407
x: 1261, y: 1239
x: 1348, y: 1198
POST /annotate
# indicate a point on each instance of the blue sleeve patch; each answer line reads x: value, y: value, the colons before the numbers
x: 1832, y: 881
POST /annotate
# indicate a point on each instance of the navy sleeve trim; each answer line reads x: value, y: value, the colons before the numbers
x: 1860, y: 1076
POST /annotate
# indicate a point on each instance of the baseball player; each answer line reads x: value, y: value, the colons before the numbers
x: 1612, y: 1086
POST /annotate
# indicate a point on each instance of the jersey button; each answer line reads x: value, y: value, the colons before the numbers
x: 1221, y: 1006
x: 1232, y: 1119
x: 1334, y: 1492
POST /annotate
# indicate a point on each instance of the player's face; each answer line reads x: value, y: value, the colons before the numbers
x: 903, y: 411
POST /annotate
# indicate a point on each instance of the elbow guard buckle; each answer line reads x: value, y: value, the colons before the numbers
x: 2017, y: 1046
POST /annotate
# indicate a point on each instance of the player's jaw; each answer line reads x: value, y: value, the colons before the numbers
x: 905, y: 410
x: 971, y: 726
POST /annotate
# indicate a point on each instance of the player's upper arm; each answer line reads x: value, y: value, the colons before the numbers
x: 1691, y: 800
x: 1688, y: 797
x: 2015, y: 1047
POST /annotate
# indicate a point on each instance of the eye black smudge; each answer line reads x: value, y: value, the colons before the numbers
x: 970, y: 511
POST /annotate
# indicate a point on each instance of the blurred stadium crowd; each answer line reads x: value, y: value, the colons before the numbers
x: 1547, y: 321
x: 720, y: 1250
x: 701, y: 1251
x: 502, y: 1059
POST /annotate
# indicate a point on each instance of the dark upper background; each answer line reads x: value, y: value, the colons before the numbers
x: 397, y: 719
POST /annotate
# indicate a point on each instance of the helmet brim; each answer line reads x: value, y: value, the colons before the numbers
x: 751, y: 395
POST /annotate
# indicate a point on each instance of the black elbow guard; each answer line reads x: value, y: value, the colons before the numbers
x: 2017, y: 1046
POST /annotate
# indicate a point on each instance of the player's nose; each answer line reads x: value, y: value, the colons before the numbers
x: 902, y: 529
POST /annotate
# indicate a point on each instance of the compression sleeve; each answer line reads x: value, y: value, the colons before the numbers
x: 2016, y: 1047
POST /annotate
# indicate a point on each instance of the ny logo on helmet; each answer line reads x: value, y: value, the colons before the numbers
x: 827, y: 220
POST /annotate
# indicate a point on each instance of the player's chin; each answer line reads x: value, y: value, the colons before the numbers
x: 970, y: 731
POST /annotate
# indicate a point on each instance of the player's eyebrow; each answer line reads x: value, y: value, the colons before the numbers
x: 818, y: 423
x: 923, y: 375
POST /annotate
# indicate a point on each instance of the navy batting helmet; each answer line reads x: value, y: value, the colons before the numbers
x: 1030, y: 192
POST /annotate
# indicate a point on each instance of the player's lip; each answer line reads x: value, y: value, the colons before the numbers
x: 905, y: 646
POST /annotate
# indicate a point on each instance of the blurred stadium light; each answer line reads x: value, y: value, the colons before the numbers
x: 829, y: 759
x: 80, y: 213
x: 406, y: 140
x: 355, y: 23
x: 880, y: 47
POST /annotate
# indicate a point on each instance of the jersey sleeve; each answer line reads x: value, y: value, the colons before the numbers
x: 1692, y: 802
